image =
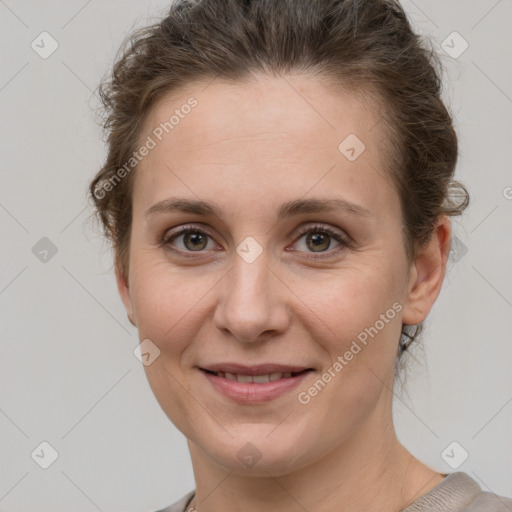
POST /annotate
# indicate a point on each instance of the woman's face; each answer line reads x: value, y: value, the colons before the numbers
x: 254, y: 284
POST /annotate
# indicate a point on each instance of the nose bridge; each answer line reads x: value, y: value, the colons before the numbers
x: 249, y: 304
x: 250, y: 278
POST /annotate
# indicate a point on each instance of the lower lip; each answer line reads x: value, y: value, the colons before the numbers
x: 254, y: 392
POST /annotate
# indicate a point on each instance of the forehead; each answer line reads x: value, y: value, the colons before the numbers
x: 299, y: 106
x: 292, y: 132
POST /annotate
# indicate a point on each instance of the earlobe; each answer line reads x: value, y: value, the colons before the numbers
x: 427, y: 274
x: 124, y: 292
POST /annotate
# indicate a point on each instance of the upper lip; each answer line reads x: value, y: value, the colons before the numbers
x: 259, y: 369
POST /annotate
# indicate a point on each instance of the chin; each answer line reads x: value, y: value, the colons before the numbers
x: 260, y: 454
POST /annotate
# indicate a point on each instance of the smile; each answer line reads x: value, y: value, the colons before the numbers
x: 256, y: 378
x: 245, y: 389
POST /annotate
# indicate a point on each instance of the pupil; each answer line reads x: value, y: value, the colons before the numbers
x: 196, y: 237
x: 317, y: 240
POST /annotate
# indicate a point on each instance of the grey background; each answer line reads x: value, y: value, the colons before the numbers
x: 68, y: 375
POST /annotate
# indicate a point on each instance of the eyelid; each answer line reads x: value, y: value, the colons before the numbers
x: 180, y: 230
x: 318, y: 226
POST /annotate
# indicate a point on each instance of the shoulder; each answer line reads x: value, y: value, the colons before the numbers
x: 458, y: 492
x: 180, y: 505
x: 489, y: 502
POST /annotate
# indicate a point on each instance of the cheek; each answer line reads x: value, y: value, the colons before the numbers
x: 353, y: 299
x: 169, y: 312
x: 362, y: 312
x: 168, y: 302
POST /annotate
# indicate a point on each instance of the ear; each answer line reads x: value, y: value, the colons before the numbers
x: 124, y: 292
x: 427, y: 274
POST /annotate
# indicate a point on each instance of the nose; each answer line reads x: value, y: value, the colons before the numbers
x: 252, y: 303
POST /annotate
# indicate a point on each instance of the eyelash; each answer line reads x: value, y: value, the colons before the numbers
x: 318, y: 228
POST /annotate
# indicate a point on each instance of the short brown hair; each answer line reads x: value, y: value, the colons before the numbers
x: 366, y: 44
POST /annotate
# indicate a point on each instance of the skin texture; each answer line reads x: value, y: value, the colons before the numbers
x: 249, y: 148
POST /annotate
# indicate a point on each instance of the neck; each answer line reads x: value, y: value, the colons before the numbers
x: 370, y: 471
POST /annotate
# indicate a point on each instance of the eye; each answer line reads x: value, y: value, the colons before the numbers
x: 318, y: 240
x: 194, y: 240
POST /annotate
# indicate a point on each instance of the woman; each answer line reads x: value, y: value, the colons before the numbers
x: 278, y: 188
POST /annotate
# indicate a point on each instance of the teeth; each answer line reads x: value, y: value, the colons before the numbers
x: 254, y: 378
x: 261, y: 378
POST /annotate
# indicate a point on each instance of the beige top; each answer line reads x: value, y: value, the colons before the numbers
x: 457, y: 492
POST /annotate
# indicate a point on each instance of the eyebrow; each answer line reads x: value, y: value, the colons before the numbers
x: 286, y: 210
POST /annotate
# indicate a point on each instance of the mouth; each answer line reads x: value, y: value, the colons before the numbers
x: 258, y: 379
x: 257, y: 384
